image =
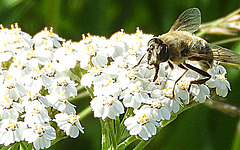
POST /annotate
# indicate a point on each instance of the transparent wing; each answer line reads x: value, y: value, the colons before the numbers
x: 189, y: 20
x: 214, y: 52
x: 225, y: 55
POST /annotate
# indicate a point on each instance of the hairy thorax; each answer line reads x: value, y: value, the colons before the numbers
x: 184, y: 46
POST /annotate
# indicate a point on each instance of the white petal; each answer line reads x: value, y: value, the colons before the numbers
x: 194, y: 89
x: 99, y: 60
x: 74, y: 132
x: 165, y: 113
x: 49, y: 133
x: 137, y: 129
x: 204, y: 89
x: 151, y: 129
x: 143, y: 134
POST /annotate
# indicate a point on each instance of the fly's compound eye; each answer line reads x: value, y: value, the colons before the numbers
x: 164, y: 53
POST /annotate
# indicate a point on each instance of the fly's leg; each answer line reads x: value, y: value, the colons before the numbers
x: 201, y: 72
x: 186, y: 69
x: 156, y: 72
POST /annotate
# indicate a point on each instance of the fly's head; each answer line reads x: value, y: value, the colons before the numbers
x: 157, y: 52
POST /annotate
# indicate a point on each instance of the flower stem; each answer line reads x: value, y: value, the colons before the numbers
x: 117, y: 128
x: 82, y: 95
x: 60, y: 135
x: 142, y: 144
x: 227, y: 41
x: 112, y: 133
x: 127, y: 114
x: 80, y: 88
x: 126, y: 142
x: 223, y: 107
x: 85, y: 112
x: 105, y: 138
x: 90, y: 91
x: 217, y: 22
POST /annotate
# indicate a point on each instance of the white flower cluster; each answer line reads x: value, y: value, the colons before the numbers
x: 116, y: 85
x: 34, y: 85
x: 34, y: 88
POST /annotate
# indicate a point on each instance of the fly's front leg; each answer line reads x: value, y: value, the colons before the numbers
x: 156, y: 72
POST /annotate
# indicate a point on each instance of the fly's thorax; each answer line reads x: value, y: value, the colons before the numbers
x: 179, y: 43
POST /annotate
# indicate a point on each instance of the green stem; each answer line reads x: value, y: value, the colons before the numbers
x: 85, y: 112
x: 112, y: 133
x: 117, y: 128
x: 82, y: 95
x: 217, y: 22
x: 126, y: 142
x: 124, y: 135
x: 105, y: 139
x: 80, y: 88
x: 122, y: 130
x: 142, y: 144
x: 236, y: 141
x: 223, y: 107
x: 14, y: 146
x: 90, y: 91
x: 227, y: 41
x: 23, y: 145
x: 127, y: 114
x: 60, y: 135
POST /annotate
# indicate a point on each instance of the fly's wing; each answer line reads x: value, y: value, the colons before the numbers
x: 225, y: 55
x: 189, y: 20
x: 213, y: 52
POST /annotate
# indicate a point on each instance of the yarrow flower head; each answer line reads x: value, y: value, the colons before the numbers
x: 119, y: 85
x: 34, y: 86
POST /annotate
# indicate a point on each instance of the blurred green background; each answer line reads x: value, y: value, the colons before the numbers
x: 198, y: 128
